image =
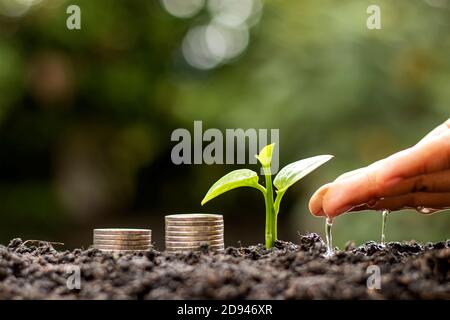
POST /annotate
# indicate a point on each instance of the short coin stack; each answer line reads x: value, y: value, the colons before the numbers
x: 122, y: 240
x: 186, y: 232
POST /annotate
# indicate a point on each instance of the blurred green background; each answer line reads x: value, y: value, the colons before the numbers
x: 86, y: 115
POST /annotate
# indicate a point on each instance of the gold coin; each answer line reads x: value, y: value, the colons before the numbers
x: 114, y: 231
x: 194, y: 228
x: 194, y: 223
x: 174, y: 250
x: 192, y: 216
x: 212, y: 247
x: 192, y: 249
x: 195, y: 248
x: 129, y: 246
x: 122, y: 247
x: 194, y: 220
x: 193, y: 243
x: 194, y: 234
x: 122, y: 242
x: 123, y: 251
x: 170, y: 237
x: 123, y: 237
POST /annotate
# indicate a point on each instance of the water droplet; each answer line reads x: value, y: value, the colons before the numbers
x: 328, y: 225
x: 385, y: 213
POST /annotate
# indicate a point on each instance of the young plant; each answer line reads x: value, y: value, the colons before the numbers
x: 287, y: 176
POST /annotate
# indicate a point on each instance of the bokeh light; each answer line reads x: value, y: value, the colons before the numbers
x: 16, y: 8
x: 183, y: 8
x: 196, y: 51
x: 233, y: 13
x: 438, y: 3
x: 226, y: 35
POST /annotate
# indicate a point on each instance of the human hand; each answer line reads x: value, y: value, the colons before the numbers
x: 418, y: 177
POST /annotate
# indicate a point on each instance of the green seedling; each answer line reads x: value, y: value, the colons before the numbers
x: 287, y: 176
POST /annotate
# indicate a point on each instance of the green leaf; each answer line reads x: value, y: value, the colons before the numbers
x: 232, y: 180
x: 293, y: 172
x: 265, y: 155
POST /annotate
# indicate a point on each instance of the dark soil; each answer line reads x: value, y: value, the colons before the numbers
x: 290, y: 271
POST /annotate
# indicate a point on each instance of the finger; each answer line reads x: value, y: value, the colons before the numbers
x: 343, y: 195
x: 361, y: 185
x: 349, y: 174
x: 315, y: 203
x: 357, y: 171
x: 438, y: 182
x: 428, y: 157
x: 434, y: 182
x: 371, y: 182
x: 437, y: 131
x: 415, y: 200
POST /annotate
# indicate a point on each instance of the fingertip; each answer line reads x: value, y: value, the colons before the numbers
x: 315, y: 207
x: 316, y: 201
x: 316, y: 212
x: 336, y: 202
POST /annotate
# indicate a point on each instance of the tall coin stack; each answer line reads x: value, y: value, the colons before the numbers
x: 186, y: 232
x: 123, y: 240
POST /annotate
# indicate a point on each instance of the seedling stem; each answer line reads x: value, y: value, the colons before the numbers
x: 271, y: 219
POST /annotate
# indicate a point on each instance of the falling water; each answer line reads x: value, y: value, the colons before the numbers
x: 385, y: 213
x: 328, y: 225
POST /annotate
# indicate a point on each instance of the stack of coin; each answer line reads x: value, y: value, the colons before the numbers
x: 122, y: 240
x: 187, y: 232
